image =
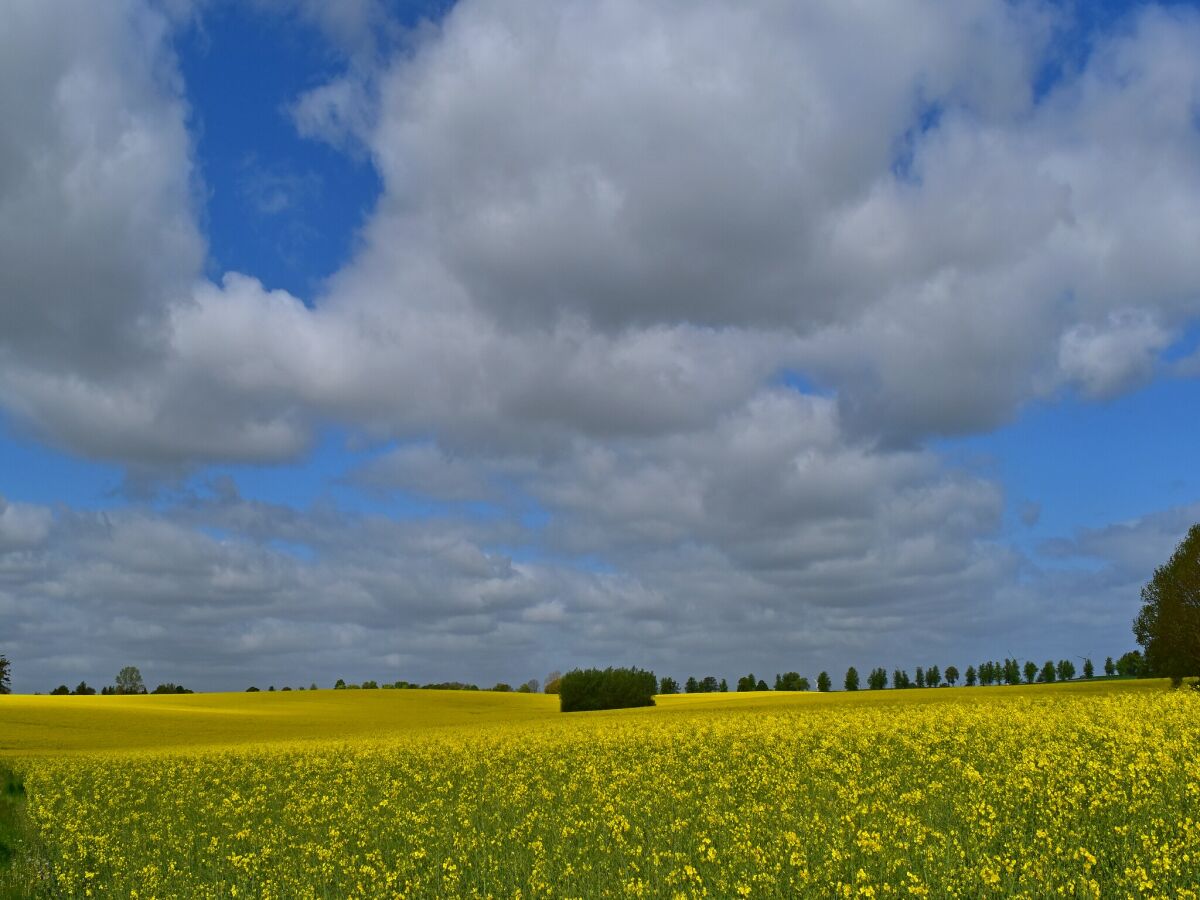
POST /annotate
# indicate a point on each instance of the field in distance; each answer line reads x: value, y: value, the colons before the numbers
x: 1089, y: 788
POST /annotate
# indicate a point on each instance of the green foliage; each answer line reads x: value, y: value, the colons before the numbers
x: 951, y: 675
x: 1012, y: 671
x: 1048, y: 672
x: 13, y: 827
x: 555, y: 677
x: 1031, y: 671
x: 972, y: 676
x: 252, y: 690
x: 1110, y: 667
x: 791, y: 681
x: 933, y: 676
x: 1089, y: 671
x: 667, y: 685
x: 611, y: 688
x: 1168, y: 625
x: 129, y: 681
x: 170, y: 688
x: 747, y: 683
x: 920, y: 679
x: 61, y: 691
x: 692, y: 686
x: 851, y: 682
x: 1131, y: 664
x: 900, y: 680
x: 824, y: 683
x: 877, y: 680
x: 5, y: 674
x: 1065, y: 670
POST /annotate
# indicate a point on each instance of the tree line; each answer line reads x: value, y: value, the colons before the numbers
x: 1010, y: 671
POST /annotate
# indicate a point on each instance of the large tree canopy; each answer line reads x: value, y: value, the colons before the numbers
x: 1168, y: 626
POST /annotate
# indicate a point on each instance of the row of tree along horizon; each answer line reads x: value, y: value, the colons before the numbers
x: 1010, y: 671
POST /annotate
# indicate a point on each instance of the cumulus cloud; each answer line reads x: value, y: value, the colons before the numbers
x: 605, y: 230
x: 22, y: 525
x: 1105, y: 360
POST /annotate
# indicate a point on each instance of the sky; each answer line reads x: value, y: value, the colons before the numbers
x: 477, y: 340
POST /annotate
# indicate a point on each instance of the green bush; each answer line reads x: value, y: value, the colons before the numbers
x: 588, y: 689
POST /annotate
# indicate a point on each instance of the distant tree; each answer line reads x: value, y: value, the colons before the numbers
x: 313, y: 686
x: 1110, y: 667
x: 951, y: 675
x: 108, y: 690
x: 762, y: 685
x: 899, y: 679
x: 129, y: 681
x: 252, y: 690
x: 972, y: 676
x: 877, y: 679
x: 61, y: 691
x: 555, y: 677
x: 985, y: 673
x: 371, y: 685
x: 791, y: 681
x: 1089, y: 671
x: 668, y: 685
x: 84, y: 689
x: 502, y: 687
x: 933, y: 676
x: 723, y: 687
x: 1168, y: 625
x: 339, y: 685
x: 1012, y: 671
x: 532, y: 686
x: 851, y: 683
x: 612, y: 688
x: 746, y: 683
x: 1048, y: 672
x: 1065, y: 670
x: 5, y: 675
x: 709, y: 685
x: 271, y: 689
x: 824, y: 682
x: 692, y: 686
x: 286, y: 688
x: 1131, y: 664
x: 170, y: 688
x: 920, y: 677
x: 1031, y: 671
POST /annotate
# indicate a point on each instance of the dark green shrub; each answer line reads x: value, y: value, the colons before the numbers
x: 588, y: 689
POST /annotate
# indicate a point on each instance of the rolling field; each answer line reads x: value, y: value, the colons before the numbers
x: 1079, y: 790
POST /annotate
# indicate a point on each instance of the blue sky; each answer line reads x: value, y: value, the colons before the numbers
x: 476, y: 322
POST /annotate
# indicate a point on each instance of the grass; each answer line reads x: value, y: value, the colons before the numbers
x: 18, y: 848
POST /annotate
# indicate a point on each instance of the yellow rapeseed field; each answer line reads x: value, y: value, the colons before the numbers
x: 1089, y: 790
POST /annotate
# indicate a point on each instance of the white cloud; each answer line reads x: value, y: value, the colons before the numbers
x: 605, y: 231
x: 22, y: 525
x: 1106, y: 360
